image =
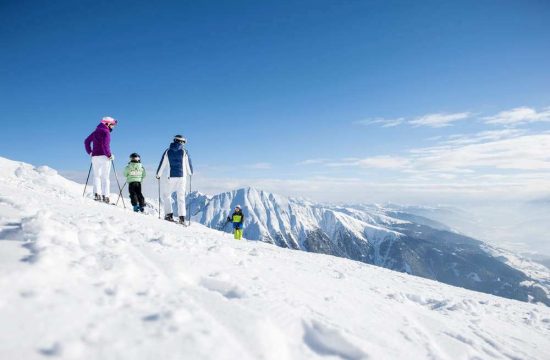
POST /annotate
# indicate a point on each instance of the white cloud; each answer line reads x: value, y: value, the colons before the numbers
x: 483, y: 136
x: 525, y: 152
x: 376, y: 162
x: 384, y: 162
x: 259, y: 166
x: 312, y: 162
x: 507, y: 149
x: 383, y: 122
x: 498, y: 164
x: 439, y: 120
x: 518, y: 116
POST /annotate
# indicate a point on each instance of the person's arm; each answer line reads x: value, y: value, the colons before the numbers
x: 126, y: 171
x: 163, y: 161
x: 88, y: 144
x: 188, y: 163
x: 144, y: 173
x: 107, y: 143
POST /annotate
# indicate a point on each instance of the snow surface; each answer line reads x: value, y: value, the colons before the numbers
x: 82, y: 280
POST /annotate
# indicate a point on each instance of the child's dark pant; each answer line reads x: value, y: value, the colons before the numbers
x: 135, y: 194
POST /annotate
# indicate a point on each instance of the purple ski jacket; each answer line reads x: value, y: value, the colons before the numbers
x: 101, y: 138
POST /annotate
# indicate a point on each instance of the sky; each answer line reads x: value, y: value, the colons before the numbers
x: 418, y: 102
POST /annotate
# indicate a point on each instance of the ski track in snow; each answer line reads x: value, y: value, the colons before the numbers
x: 82, y: 280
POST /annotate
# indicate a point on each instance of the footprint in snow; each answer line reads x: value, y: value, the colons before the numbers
x: 53, y: 350
x: 227, y: 289
x: 151, y: 318
x: 157, y: 316
x: 27, y: 294
x: 330, y: 342
x: 11, y: 231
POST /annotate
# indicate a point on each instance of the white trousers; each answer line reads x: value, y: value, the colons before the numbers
x: 177, y: 185
x: 102, y: 172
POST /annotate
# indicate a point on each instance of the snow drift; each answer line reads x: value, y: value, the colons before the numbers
x: 82, y: 280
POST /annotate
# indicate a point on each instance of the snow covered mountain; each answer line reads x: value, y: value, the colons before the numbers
x: 387, y: 237
x: 83, y: 280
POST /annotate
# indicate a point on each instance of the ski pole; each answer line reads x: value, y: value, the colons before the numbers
x: 120, y: 193
x: 189, y: 202
x: 88, y: 178
x: 159, y: 196
x: 118, y: 183
x: 223, y: 224
x: 222, y: 227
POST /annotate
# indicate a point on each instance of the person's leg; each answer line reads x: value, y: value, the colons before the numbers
x: 167, y: 196
x: 96, y: 165
x: 134, y: 188
x: 238, y: 234
x: 133, y: 193
x: 181, y: 184
x: 106, y: 176
x: 140, y: 198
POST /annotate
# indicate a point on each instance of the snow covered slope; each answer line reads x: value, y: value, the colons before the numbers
x: 387, y: 237
x: 82, y: 280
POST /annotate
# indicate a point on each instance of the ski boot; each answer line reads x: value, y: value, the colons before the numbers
x: 106, y: 199
x: 182, y: 220
x: 168, y: 217
x: 136, y: 208
x: 141, y: 209
x: 97, y: 197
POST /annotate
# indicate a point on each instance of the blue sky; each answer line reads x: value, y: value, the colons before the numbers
x: 332, y: 100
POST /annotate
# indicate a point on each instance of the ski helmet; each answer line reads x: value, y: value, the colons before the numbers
x: 180, y: 139
x: 107, y: 120
x: 238, y: 207
x: 135, y: 156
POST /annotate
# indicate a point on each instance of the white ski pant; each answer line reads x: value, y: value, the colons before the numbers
x: 177, y: 185
x: 102, y: 172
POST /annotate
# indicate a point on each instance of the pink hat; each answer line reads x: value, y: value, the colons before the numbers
x: 107, y: 120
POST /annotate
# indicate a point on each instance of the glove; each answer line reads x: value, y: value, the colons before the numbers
x: 228, y: 219
x: 112, y: 157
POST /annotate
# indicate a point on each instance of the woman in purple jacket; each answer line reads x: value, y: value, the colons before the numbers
x: 98, y: 146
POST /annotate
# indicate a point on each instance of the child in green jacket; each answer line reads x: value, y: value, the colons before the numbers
x: 135, y: 173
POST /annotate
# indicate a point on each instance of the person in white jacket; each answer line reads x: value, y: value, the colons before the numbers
x: 175, y: 160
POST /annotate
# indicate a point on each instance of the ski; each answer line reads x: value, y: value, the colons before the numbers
x: 103, y: 202
x: 177, y: 222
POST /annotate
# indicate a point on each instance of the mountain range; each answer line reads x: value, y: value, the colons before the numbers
x: 403, y: 239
